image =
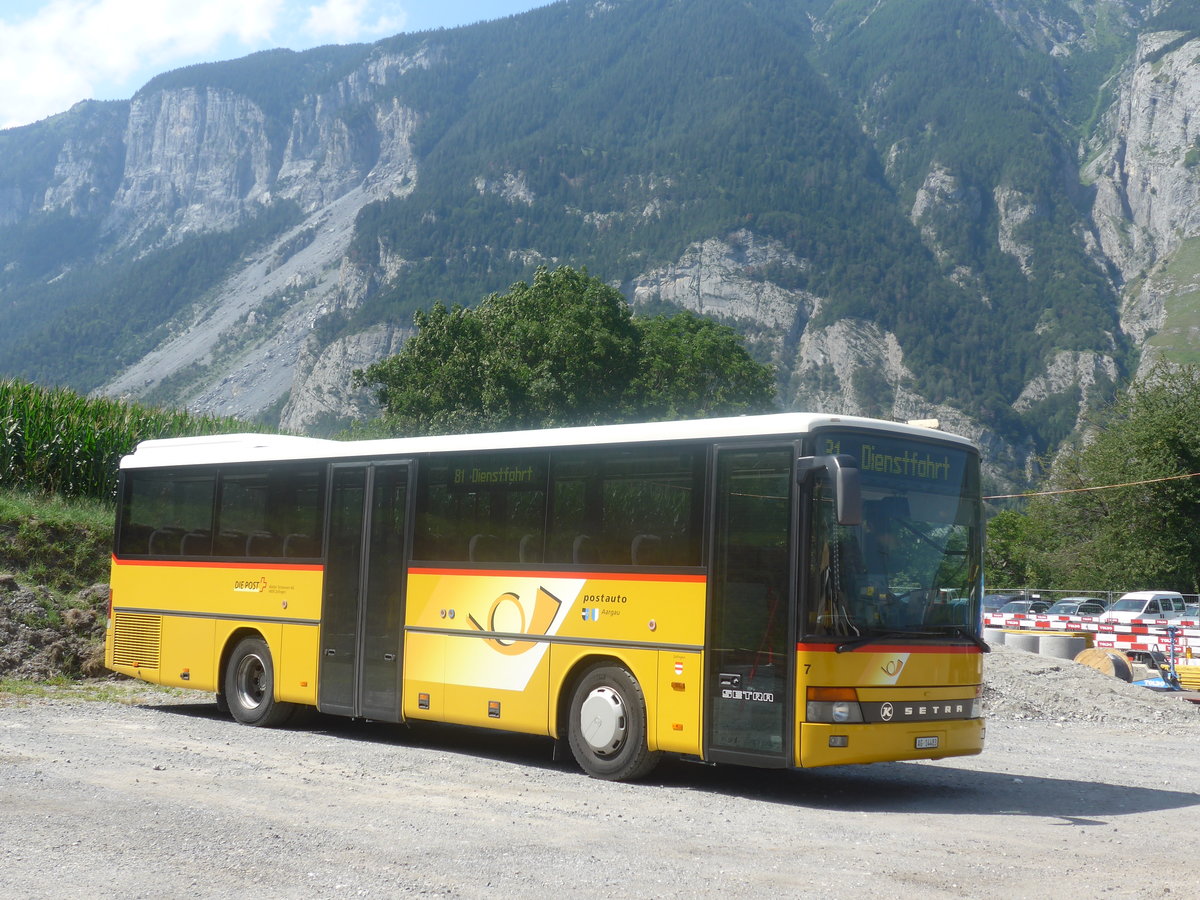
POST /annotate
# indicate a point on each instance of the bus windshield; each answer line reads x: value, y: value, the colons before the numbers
x: 910, y: 565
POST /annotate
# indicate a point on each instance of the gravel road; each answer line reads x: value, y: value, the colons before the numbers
x: 1088, y: 787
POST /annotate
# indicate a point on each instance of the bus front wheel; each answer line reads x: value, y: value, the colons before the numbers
x: 607, y: 726
x: 249, y: 686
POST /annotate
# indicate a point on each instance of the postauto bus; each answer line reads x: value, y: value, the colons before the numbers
x: 783, y: 590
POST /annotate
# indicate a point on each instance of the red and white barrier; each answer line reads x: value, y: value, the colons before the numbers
x: 1138, y: 636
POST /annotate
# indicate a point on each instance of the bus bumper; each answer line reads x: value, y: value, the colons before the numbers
x: 836, y: 745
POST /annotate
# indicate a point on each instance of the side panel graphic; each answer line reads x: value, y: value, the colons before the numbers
x: 486, y: 636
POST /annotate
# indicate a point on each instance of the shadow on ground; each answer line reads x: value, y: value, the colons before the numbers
x: 920, y: 788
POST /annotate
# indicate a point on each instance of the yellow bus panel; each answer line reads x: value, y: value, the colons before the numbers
x: 171, y: 621
x: 187, y: 653
x: 883, y: 665
x: 876, y: 743
x: 659, y: 609
x: 494, y: 690
x: 296, y: 658
x: 511, y: 638
x: 680, y: 683
x: 914, y: 683
x: 424, y: 676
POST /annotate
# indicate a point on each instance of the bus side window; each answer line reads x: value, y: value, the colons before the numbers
x: 627, y: 507
x: 161, y: 508
x: 270, y: 513
x: 484, y: 509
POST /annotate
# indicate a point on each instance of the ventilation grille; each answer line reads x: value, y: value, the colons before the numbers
x: 136, y: 640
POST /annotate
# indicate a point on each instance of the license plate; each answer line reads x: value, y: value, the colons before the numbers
x: 927, y: 743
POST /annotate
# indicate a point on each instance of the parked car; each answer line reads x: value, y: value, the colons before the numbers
x: 1147, y: 605
x: 1025, y: 607
x: 993, y: 602
x: 1077, y: 606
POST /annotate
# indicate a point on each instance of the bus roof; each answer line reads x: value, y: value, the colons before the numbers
x: 227, y: 448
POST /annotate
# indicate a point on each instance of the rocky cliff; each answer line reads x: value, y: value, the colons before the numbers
x: 1145, y: 167
x: 185, y: 159
x: 204, y: 160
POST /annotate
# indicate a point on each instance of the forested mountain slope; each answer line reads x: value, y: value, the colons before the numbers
x: 982, y: 210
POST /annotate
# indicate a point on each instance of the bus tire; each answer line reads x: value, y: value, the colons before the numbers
x: 607, y: 725
x: 249, y: 686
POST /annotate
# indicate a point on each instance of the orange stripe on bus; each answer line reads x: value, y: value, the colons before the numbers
x: 199, y: 564
x: 586, y: 576
x: 890, y: 648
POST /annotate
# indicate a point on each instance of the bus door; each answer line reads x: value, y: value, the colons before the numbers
x: 749, y: 685
x: 362, y: 618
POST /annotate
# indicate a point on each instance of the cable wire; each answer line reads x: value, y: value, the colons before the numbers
x: 1101, y: 487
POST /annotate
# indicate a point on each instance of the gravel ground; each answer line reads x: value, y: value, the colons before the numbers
x: 1088, y: 787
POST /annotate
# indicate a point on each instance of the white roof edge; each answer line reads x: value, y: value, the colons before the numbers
x: 268, y: 447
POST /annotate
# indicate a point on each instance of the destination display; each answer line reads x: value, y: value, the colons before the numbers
x: 901, y: 463
x: 483, y: 474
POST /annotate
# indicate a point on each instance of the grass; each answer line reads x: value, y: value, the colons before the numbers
x: 51, y: 549
x: 97, y: 515
x: 126, y: 691
x: 65, y: 544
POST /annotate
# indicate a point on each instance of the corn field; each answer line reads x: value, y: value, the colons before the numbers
x: 53, y: 440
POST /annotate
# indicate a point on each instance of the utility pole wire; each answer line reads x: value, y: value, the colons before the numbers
x: 1101, y: 487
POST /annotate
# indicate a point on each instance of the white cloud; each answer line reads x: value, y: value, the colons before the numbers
x: 70, y: 50
x: 346, y: 21
x: 61, y: 53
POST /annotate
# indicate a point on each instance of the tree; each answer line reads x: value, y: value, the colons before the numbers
x: 694, y: 366
x: 1013, y: 556
x: 564, y: 350
x: 1129, y: 513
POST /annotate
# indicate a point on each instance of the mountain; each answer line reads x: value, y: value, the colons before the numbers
x: 985, y: 211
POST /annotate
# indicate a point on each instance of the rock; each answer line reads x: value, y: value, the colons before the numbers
x: 42, y: 637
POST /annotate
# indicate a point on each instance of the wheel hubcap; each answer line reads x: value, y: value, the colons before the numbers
x: 602, y: 721
x: 250, y: 682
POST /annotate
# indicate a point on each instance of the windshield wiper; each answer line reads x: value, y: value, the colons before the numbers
x: 956, y: 630
x: 880, y: 635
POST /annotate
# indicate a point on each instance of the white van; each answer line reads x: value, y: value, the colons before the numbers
x: 1147, y: 605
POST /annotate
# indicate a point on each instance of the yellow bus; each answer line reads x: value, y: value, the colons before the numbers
x: 781, y: 590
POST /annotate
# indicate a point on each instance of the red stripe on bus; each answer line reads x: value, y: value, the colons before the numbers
x: 892, y: 648
x: 586, y: 576
x: 187, y: 564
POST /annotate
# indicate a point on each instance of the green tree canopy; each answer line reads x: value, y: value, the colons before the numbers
x: 564, y: 350
x: 1013, y: 556
x: 1129, y: 514
x: 691, y: 366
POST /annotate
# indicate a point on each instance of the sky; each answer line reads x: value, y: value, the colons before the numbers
x: 54, y: 53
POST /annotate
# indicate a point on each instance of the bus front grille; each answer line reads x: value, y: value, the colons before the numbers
x: 136, y: 640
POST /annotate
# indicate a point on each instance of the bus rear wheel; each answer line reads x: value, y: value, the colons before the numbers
x: 249, y: 686
x: 607, y: 725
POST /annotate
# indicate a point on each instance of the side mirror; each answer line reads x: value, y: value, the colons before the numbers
x: 843, y: 469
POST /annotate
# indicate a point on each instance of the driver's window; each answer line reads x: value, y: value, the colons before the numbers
x: 835, y: 560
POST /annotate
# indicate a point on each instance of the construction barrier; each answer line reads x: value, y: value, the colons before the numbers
x: 1063, y: 646
x: 1136, y: 639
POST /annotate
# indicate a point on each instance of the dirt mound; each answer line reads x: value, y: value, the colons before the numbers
x: 43, y: 636
x: 1023, y: 685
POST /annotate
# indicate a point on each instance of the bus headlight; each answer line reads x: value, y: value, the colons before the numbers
x: 833, y: 705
